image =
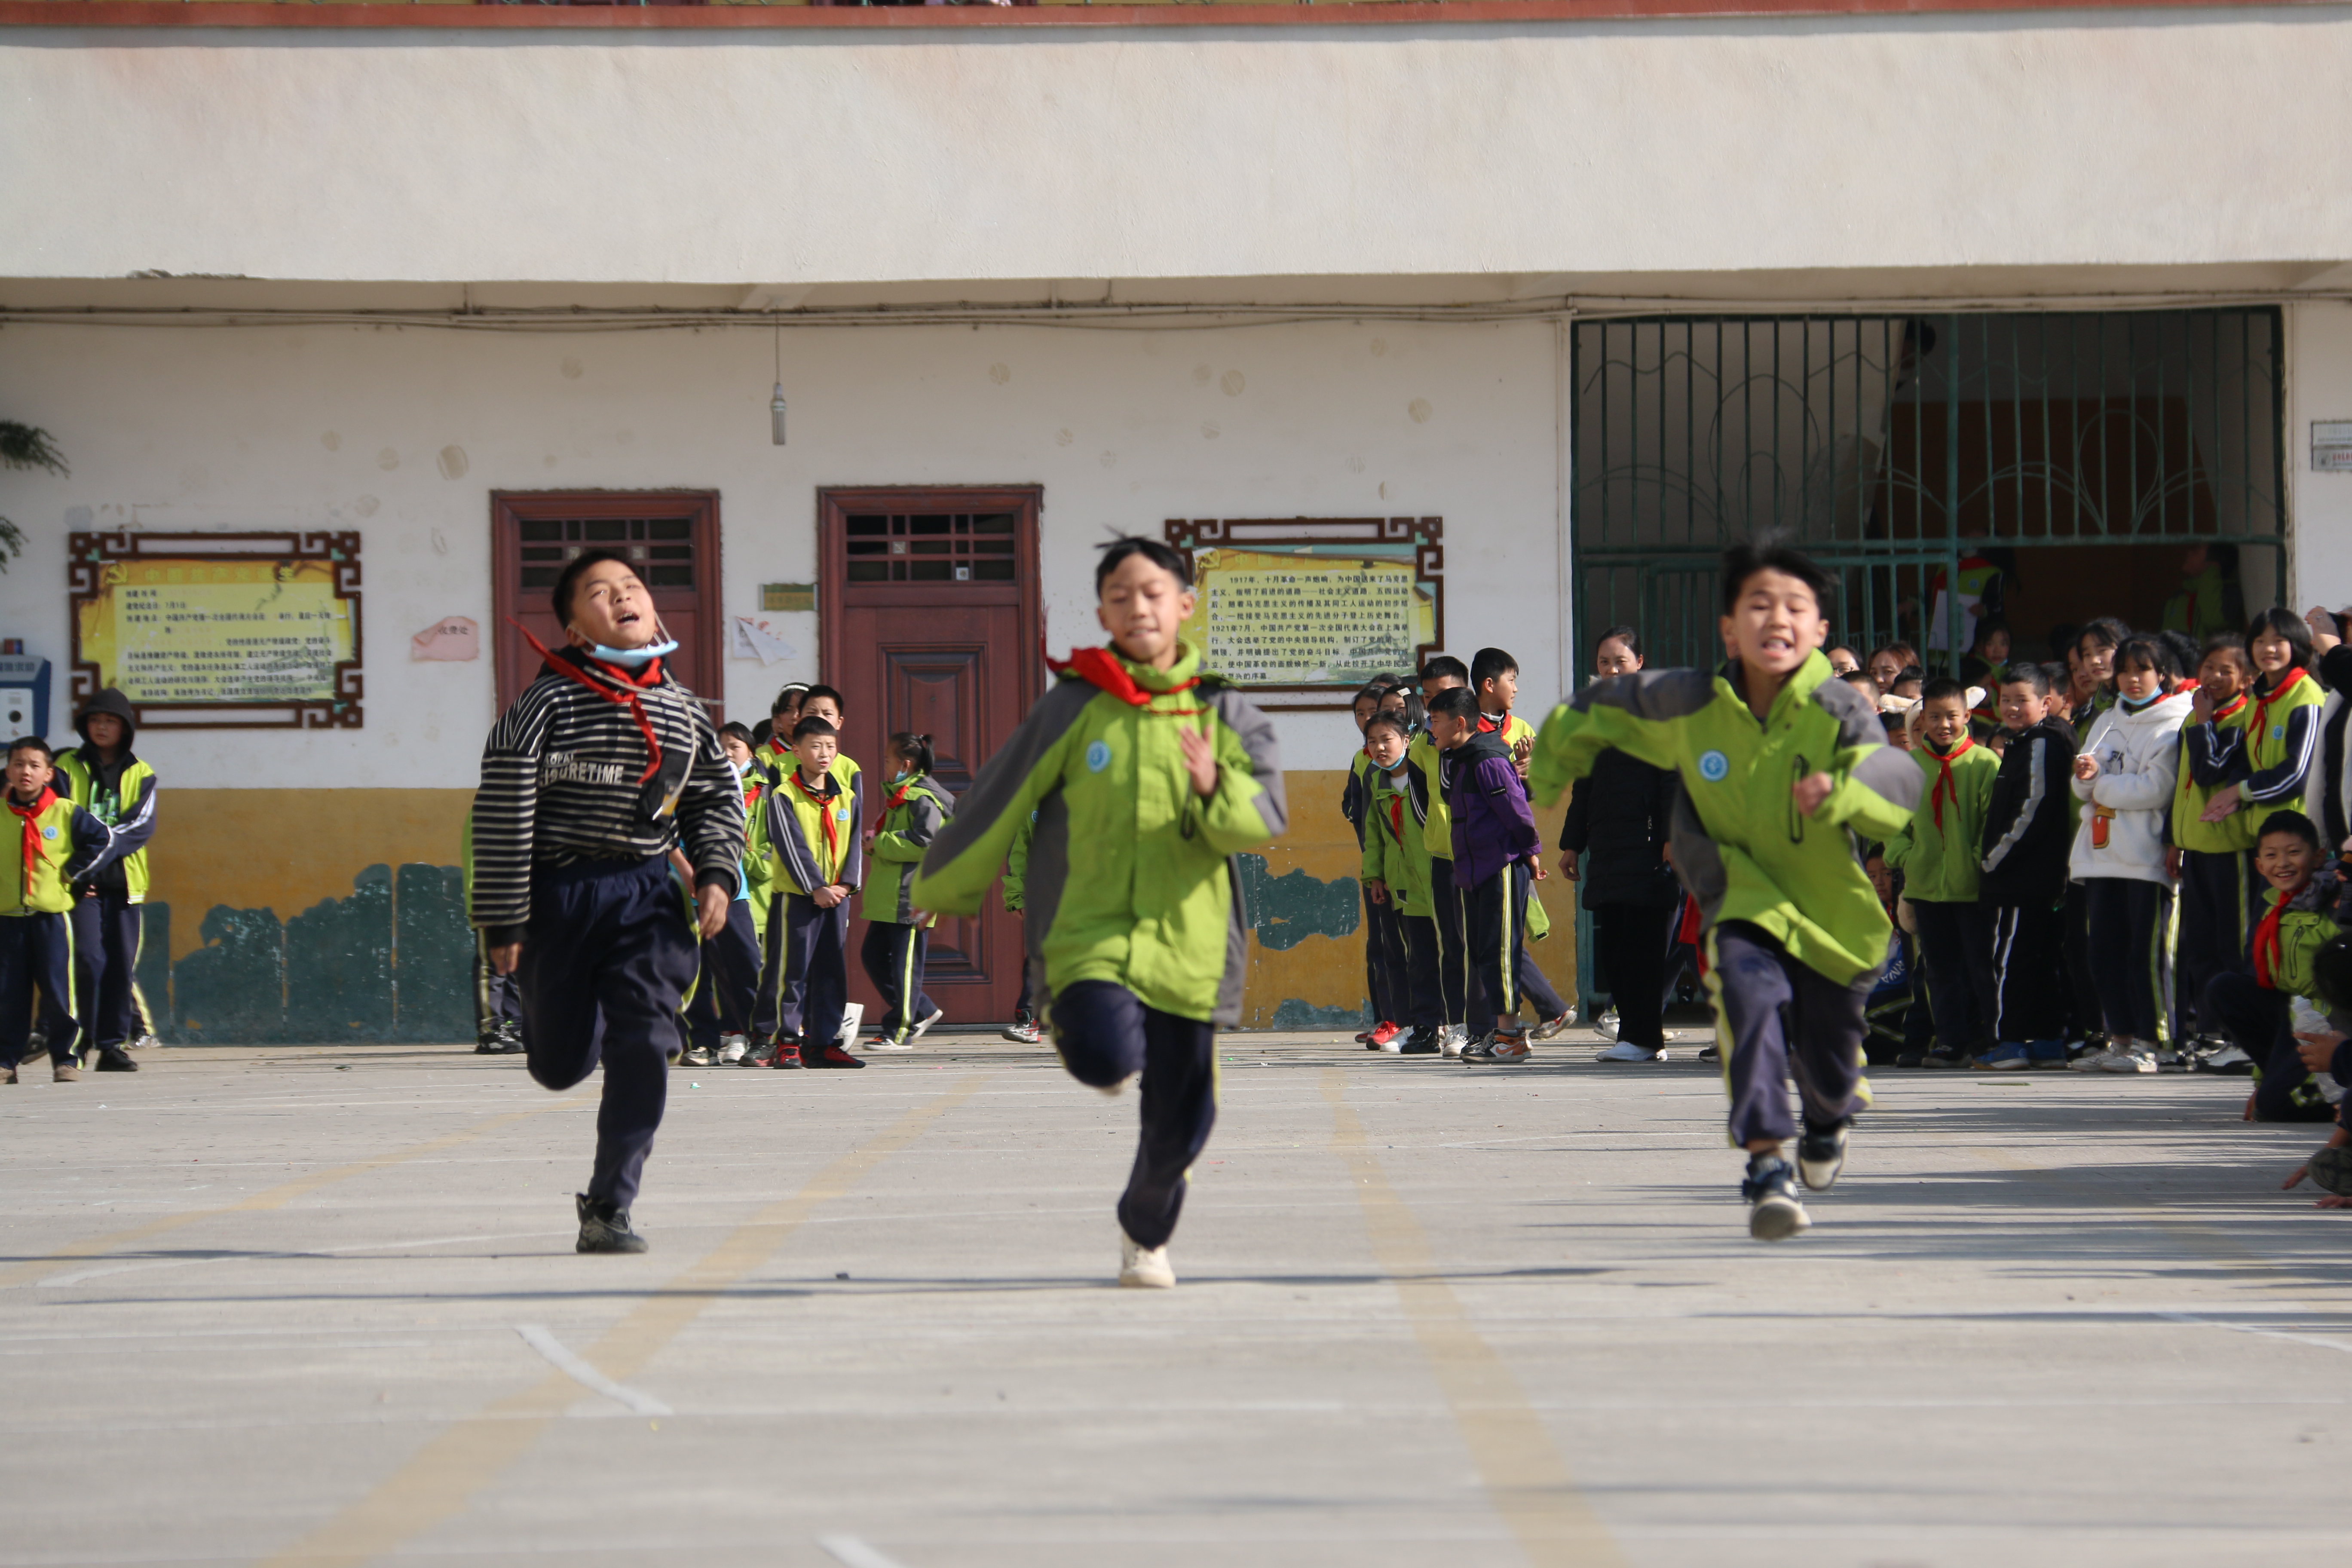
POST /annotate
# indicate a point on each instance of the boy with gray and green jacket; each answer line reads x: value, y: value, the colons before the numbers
x: 1781, y: 768
x: 1155, y: 774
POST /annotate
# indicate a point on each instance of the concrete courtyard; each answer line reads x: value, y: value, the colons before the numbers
x: 308, y: 1306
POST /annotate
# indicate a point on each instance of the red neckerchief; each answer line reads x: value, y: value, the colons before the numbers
x: 1396, y: 815
x: 1486, y: 725
x: 1100, y: 669
x: 32, y: 832
x: 648, y: 676
x: 2186, y: 683
x: 2235, y: 703
x: 823, y: 815
x: 1945, y: 783
x: 2268, y: 950
x: 2256, y: 729
x: 898, y: 799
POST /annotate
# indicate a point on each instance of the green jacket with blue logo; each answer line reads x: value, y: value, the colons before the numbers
x: 813, y: 836
x: 50, y: 845
x: 912, y: 815
x: 1394, y: 849
x: 1740, y: 845
x: 1941, y: 861
x: 1131, y: 877
x: 126, y: 806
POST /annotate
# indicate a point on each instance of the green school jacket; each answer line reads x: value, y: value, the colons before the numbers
x: 2189, y: 798
x: 1394, y: 849
x: 1016, y: 864
x: 1739, y: 844
x: 2302, y: 933
x: 132, y: 807
x: 912, y: 815
x: 1944, y: 865
x: 1130, y: 874
x: 1429, y: 793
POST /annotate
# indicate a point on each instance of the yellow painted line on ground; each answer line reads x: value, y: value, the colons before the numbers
x: 439, y: 1481
x: 30, y: 1269
x: 1525, y: 1477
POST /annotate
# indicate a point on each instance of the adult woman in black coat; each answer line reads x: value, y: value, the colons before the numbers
x: 1613, y: 844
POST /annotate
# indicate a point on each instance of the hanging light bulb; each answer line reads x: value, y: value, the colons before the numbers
x: 776, y: 403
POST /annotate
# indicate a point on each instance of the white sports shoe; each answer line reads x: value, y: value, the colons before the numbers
x: 923, y: 1026
x: 1451, y: 1040
x: 732, y: 1048
x: 2130, y: 1056
x: 884, y: 1043
x: 1144, y: 1268
x: 1605, y: 1025
x: 1626, y: 1051
x: 2094, y: 1061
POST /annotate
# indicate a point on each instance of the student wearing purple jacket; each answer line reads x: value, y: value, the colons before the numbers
x: 1495, y: 853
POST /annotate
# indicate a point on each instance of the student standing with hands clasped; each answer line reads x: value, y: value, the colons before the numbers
x: 603, y: 765
x: 1782, y: 766
x: 1155, y: 773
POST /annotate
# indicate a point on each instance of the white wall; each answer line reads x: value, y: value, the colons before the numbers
x: 2319, y: 386
x: 346, y: 427
x: 2091, y: 138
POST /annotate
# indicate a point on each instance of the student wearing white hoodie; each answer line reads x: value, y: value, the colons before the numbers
x: 2124, y: 775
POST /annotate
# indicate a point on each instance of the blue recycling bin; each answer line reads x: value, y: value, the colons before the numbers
x: 23, y: 696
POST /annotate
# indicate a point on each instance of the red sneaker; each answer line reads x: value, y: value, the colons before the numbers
x: 1380, y: 1038
x: 833, y: 1057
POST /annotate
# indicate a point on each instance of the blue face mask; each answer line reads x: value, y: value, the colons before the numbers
x: 901, y: 777
x: 632, y: 658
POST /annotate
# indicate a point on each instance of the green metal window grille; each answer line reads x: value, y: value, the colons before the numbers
x: 1895, y: 447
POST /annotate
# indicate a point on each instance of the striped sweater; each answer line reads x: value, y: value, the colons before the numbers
x: 561, y: 782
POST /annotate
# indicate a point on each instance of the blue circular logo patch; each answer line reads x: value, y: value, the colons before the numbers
x: 1097, y: 756
x: 1713, y: 766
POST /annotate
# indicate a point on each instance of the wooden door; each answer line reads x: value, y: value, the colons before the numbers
x: 932, y: 623
x: 672, y: 539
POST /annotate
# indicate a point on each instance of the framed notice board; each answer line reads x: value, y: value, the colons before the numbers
x: 1304, y: 610
x: 219, y: 631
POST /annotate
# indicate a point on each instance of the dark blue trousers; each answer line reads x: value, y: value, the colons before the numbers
x: 1773, y: 1016
x: 1425, y: 1009
x: 1453, y: 952
x: 729, y: 981
x: 1493, y: 930
x: 106, y: 930
x: 37, y: 951
x: 2220, y: 901
x: 2029, y: 972
x: 2130, y: 958
x: 2258, y: 1021
x: 1105, y: 1035
x: 808, y: 966
x: 1387, y: 962
x: 606, y: 959
x: 497, y: 998
x: 893, y: 956
x: 1955, y: 950
x: 1534, y: 989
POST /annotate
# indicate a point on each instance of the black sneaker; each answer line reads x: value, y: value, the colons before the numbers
x: 1941, y: 1058
x: 508, y: 1036
x: 604, y: 1228
x: 2331, y: 1168
x: 114, y: 1058
x: 1821, y: 1155
x: 1770, y: 1189
x: 488, y: 1044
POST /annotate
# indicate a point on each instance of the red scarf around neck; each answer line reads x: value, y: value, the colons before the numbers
x: 2230, y: 709
x: 1945, y: 783
x: 1101, y: 668
x: 823, y: 804
x: 2269, y: 948
x: 897, y: 799
x: 650, y: 676
x: 30, y: 815
x: 2257, y: 727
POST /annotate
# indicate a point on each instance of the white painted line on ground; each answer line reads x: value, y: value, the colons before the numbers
x: 536, y: 1337
x: 854, y: 1554
x: 2343, y: 1344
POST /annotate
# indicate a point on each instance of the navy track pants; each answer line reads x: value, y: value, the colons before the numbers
x: 1105, y: 1035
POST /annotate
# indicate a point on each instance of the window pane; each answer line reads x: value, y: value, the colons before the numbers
x: 868, y: 546
x: 932, y: 546
x: 858, y: 525
x: 604, y: 528
x: 543, y: 527
x: 673, y: 576
x: 670, y: 528
x: 541, y: 576
x: 931, y: 571
x: 992, y: 547
x: 543, y: 553
x: 992, y: 571
x: 859, y: 572
x: 673, y: 551
x: 998, y: 522
x: 928, y: 525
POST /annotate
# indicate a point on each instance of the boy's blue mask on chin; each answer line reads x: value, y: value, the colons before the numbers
x: 632, y: 658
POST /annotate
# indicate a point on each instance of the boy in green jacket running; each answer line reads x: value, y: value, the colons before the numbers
x: 1782, y: 766
x: 1156, y: 773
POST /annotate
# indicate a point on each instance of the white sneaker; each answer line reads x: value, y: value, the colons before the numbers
x: 2139, y: 1055
x: 1626, y: 1051
x: 144, y: 1043
x: 733, y: 1048
x: 884, y: 1043
x: 2093, y: 1061
x: 1451, y: 1040
x: 924, y: 1025
x: 1605, y: 1025
x: 1144, y: 1268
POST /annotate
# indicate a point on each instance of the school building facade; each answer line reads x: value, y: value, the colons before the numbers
x: 1545, y: 301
